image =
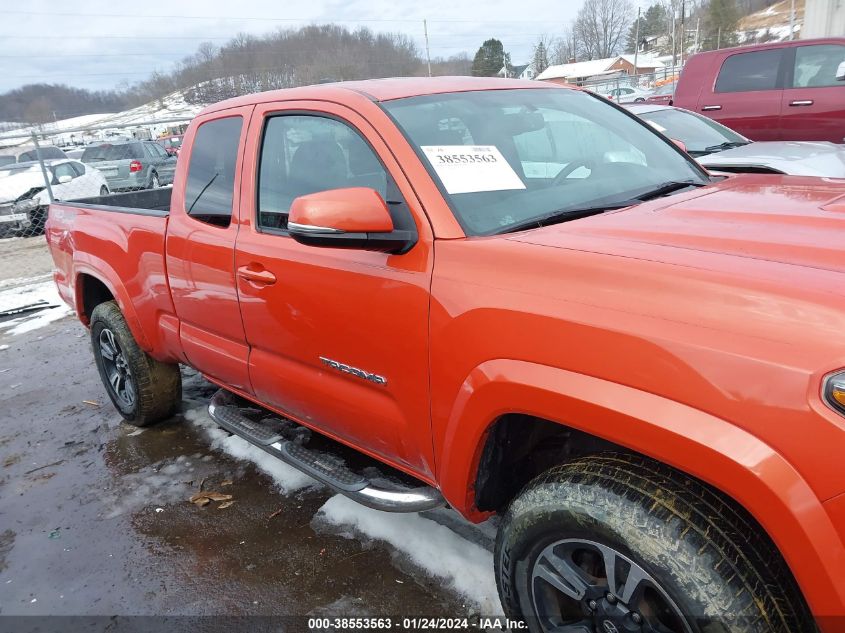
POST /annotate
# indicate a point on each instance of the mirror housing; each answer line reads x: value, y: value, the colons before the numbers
x: 840, y: 72
x: 63, y: 180
x: 355, y: 217
x: 680, y: 144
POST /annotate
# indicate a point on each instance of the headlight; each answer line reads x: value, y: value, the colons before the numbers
x: 834, y: 391
x: 24, y: 206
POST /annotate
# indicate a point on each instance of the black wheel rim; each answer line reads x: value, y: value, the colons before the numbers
x: 118, y: 375
x: 580, y: 586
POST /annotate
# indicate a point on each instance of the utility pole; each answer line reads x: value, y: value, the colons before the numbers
x: 719, y: 39
x: 674, y: 47
x: 792, y: 20
x: 697, y: 29
x: 683, y: 32
x: 427, y: 52
x: 637, y: 47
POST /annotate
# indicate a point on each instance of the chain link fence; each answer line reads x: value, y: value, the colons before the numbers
x: 80, y: 164
x: 624, y: 88
x: 84, y: 164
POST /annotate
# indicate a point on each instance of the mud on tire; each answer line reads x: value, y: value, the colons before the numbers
x: 722, y: 572
x: 156, y: 386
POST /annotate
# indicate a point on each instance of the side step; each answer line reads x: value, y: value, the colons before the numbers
x: 270, y: 435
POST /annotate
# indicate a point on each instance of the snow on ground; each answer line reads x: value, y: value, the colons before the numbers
x: 287, y: 478
x: 466, y: 567
x: 24, y: 295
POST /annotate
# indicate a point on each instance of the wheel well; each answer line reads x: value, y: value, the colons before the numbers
x: 520, y: 447
x: 94, y: 292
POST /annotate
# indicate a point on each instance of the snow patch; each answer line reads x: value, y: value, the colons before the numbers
x: 287, y: 478
x: 21, y: 296
x: 466, y: 567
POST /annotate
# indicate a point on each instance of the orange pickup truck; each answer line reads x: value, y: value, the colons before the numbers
x: 514, y: 298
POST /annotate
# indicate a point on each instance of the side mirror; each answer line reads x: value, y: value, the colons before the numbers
x: 356, y: 217
x: 63, y: 180
x: 840, y: 72
x: 680, y: 144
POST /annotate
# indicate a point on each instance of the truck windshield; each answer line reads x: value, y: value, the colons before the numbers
x: 504, y: 158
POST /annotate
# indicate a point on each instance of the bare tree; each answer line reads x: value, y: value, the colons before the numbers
x: 564, y: 49
x: 601, y: 26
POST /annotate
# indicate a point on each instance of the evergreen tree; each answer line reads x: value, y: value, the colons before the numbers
x: 540, y: 61
x: 489, y: 59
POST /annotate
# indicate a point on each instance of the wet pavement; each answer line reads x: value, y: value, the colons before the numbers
x: 95, y: 518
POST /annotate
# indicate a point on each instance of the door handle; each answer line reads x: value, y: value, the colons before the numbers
x: 711, y: 107
x: 801, y: 102
x: 263, y: 277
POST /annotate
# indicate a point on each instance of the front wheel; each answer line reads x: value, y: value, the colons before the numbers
x: 141, y: 388
x: 617, y: 543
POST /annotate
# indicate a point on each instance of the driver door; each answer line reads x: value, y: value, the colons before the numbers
x: 307, y: 310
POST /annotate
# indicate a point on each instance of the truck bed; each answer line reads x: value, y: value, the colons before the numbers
x: 137, y: 202
x: 115, y: 244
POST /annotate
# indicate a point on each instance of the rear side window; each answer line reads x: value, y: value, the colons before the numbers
x: 211, y: 174
x: 816, y: 66
x: 121, y: 151
x: 748, y: 72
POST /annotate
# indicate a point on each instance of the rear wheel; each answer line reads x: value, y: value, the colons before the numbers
x: 155, y: 183
x: 617, y: 543
x: 142, y: 389
x: 104, y: 191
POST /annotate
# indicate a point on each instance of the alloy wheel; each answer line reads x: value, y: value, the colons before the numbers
x: 580, y: 586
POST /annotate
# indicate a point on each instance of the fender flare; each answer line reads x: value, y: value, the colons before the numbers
x: 709, y: 448
x: 99, y: 269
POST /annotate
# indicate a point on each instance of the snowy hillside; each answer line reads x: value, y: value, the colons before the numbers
x: 173, y: 106
x: 771, y: 24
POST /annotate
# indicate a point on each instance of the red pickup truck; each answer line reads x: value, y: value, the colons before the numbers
x: 778, y: 91
x: 514, y: 298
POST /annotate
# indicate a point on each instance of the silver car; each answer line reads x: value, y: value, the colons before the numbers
x: 131, y: 165
x: 719, y: 148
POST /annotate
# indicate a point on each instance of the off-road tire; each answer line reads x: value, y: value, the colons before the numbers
x: 158, y: 386
x: 709, y: 556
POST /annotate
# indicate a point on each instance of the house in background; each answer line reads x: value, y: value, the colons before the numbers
x: 523, y: 71
x: 600, y: 70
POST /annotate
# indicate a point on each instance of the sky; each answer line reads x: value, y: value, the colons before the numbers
x: 97, y: 45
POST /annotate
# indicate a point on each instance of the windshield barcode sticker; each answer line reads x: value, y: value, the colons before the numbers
x: 472, y: 168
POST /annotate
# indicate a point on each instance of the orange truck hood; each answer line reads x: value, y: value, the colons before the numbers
x: 785, y: 219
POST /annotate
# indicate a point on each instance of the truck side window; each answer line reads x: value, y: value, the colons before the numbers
x: 303, y: 154
x: 211, y: 174
x: 815, y: 66
x: 746, y: 72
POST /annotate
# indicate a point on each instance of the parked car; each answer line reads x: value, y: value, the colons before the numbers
x: 171, y: 144
x: 628, y: 94
x: 24, y: 197
x: 129, y: 165
x: 663, y: 94
x: 779, y: 91
x: 27, y: 153
x: 719, y: 148
x: 639, y: 368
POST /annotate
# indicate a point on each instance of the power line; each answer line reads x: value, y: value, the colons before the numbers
x: 274, y: 19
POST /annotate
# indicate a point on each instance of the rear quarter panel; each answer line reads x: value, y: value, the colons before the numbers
x: 125, y: 251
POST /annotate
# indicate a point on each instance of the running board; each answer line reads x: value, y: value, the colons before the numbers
x: 270, y: 435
